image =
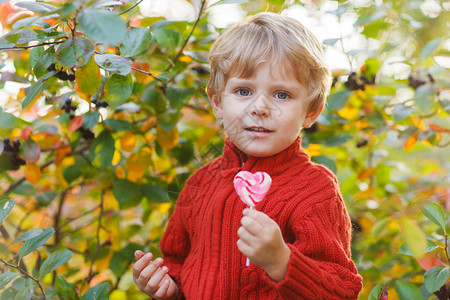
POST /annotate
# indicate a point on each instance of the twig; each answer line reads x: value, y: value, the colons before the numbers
x: 446, y: 249
x: 127, y: 10
x: 188, y: 37
x: 26, y: 274
x: 70, y: 220
x: 148, y: 73
x: 32, y: 46
x: 97, y: 250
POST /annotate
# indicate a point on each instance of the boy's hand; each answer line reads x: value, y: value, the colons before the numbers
x: 260, y: 239
x: 151, y: 277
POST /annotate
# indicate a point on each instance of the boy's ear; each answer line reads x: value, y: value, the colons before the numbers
x: 216, y: 104
x: 312, y: 116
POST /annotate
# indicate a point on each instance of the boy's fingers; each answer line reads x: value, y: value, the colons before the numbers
x: 138, y: 254
x: 164, y: 287
x: 251, y: 225
x: 141, y: 264
x: 155, y: 281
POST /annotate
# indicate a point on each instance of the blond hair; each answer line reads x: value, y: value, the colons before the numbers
x: 269, y: 36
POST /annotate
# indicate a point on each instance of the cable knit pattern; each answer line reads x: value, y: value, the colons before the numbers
x: 199, y: 245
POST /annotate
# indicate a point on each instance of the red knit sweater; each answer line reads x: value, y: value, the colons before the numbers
x: 199, y: 245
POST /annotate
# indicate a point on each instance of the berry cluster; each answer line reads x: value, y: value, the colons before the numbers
x: 61, y: 74
x: 13, y: 150
x: 99, y: 103
x: 86, y: 133
x: 415, y: 82
x: 354, y: 83
x: 68, y: 107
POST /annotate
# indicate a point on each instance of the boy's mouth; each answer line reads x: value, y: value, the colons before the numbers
x: 257, y: 129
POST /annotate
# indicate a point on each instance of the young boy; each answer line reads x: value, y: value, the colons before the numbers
x: 268, y: 81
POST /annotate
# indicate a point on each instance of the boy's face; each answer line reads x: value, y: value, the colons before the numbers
x: 263, y: 115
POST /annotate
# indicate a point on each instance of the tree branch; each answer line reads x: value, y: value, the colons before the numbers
x: 188, y: 37
x: 127, y: 10
x: 26, y: 274
x: 32, y: 46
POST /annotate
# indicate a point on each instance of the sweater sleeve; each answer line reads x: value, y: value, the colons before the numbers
x: 175, y: 244
x: 320, y: 266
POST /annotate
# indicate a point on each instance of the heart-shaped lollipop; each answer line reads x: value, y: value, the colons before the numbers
x: 252, y: 187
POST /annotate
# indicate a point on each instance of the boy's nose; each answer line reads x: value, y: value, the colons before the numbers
x: 260, y: 107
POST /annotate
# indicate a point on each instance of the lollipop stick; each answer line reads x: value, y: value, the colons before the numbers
x: 247, y: 261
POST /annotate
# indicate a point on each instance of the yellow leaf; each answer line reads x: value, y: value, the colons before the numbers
x: 349, y: 112
x: 410, y: 142
x: 364, y: 194
x: 116, y: 158
x: 109, y: 202
x: 135, y: 173
x: 413, y: 236
x: 88, y: 78
x: 313, y: 150
x: 128, y: 141
x: 120, y: 172
x: 147, y: 124
x: 167, y: 140
x: 32, y: 172
x: 366, y: 173
x: 103, y: 263
x: 142, y: 158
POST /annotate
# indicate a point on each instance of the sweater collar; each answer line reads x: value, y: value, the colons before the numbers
x: 234, y: 160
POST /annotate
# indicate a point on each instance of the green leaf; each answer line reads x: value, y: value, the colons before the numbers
x: 400, y: 112
x: 169, y: 119
x: 119, y: 261
x: 118, y: 125
x: 26, y: 293
x: 98, y: 292
x: 230, y: 2
x: 5, y: 208
x: 336, y: 140
x: 75, y: 52
x: 327, y: 162
x: 30, y: 151
x: 90, y: 119
x: 102, y: 150
x: 6, y: 278
x: 330, y: 42
x: 377, y: 290
x: 155, y: 193
x: 27, y: 235
x: 34, y: 243
x: 113, y: 63
x: 407, y: 291
x: 88, y: 78
x: 9, y: 121
x: 127, y: 193
x: 178, y: 96
x: 37, y: 7
x: 365, y: 19
x: 43, y: 62
x: 102, y: 25
x: 155, y: 100
x: 413, y: 236
x: 35, y: 53
x: 65, y: 289
x: 430, y: 48
x: 434, y: 212
x: 436, y: 277
x: 431, y: 246
x: 424, y: 97
x: 337, y: 100
x: 117, y: 89
x: 137, y: 40
x: 169, y: 38
x: 54, y: 261
x: 35, y: 89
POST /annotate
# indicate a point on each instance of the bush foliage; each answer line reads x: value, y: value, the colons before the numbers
x: 105, y: 116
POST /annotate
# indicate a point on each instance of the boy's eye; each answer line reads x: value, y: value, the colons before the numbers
x: 243, y: 92
x: 282, y: 95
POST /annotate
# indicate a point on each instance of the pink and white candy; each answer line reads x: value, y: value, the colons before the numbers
x: 252, y: 187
